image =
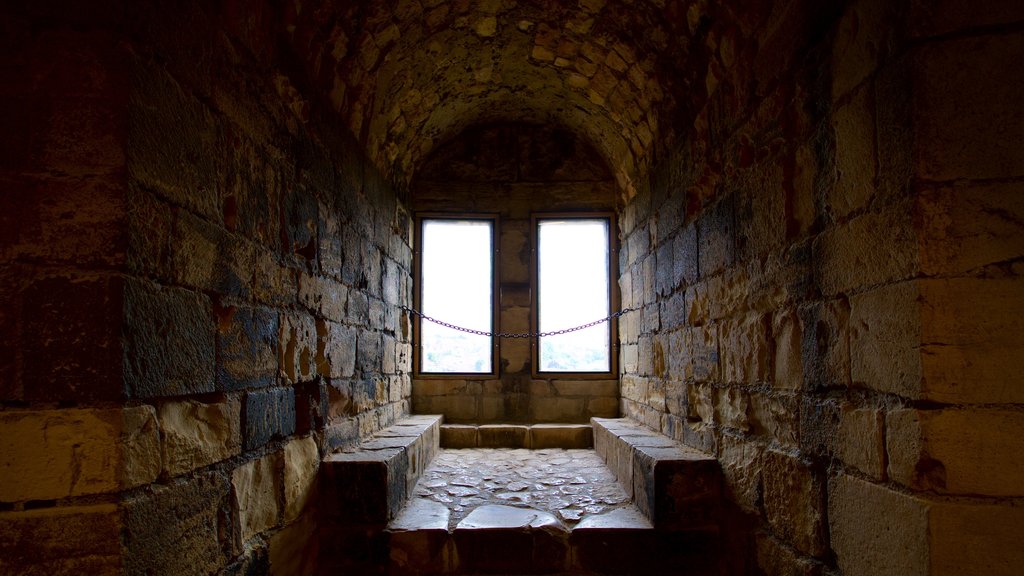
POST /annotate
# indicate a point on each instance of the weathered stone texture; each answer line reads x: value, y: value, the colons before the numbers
x: 169, y: 341
x: 255, y: 487
x: 60, y: 453
x: 956, y: 451
x: 875, y: 530
x: 177, y: 528
x: 196, y: 434
x: 61, y: 540
x: 301, y: 464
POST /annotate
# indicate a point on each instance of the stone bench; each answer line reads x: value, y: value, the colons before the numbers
x: 530, y: 436
x: 676, y: 487
x: 368, y: 485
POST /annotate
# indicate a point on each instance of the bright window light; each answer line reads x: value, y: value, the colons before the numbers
x: 457, y: 283
x: 573, y: 286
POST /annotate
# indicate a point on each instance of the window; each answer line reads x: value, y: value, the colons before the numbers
x: 573, y: 285
x: 456, y: 285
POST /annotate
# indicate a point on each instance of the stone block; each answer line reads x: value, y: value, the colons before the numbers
x: 732, y: 408
x: 557, y: 409
x: 854, y: 126
x: 585, y: 387
x: 459, y: 436
x: 875, y: 530
x: 872, y: 249
x: 885, y: 339
x: 301, y: 464
x: 819, y: 425
x: 255, y: 486
x: 75, y: 452
x: 323, y: 296
x: 364, y: 487
x: 787, y: 332
x: 774, y: 557
x: 61, y: 540
x: 561, y: 436
x: 268, y: 414
x: 70, y: 339
x: 741, y: 462
x: 418, y: 539
x: 174, y: 138
x: 676, y: 487
x: 966, y: 227
x: 209, y: 258
x: 956, y: 451
x: 532, y: 541
x: 794, y: 502
x: 176, y: 528
x: 961, y: 109
x: 503, y: 436
x: 197, y: 434
x: 972, y: 339
x: 299, y: 341
x: 685, y: 270
x: 169, y: 341
x: 603, y: 407
x: 861, y: 440
x: 825, y: 344
x: 776, y: 416
x: 339, y: 352
x: 716, y: 234
x: 247, y: 340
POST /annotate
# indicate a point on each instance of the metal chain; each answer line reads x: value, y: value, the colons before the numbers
x: 514, y: 334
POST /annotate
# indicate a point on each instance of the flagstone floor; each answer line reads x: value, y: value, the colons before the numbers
x: 570, y: 484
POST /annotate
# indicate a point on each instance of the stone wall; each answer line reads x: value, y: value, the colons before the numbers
x: 200, y: 283
x: 515, y: 171
x: 829, y: 270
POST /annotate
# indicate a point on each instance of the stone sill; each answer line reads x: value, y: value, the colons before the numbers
x: 674, y: 486
x: 529, y: 436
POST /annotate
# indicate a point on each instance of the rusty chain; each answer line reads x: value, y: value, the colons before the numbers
x: 514, y: 334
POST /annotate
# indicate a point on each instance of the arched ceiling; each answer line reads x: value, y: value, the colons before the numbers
x: 406, y: 75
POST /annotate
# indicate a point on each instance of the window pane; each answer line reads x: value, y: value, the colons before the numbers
x: 456, y: 288
x: 572, y: 258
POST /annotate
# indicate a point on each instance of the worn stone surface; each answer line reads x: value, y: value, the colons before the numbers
x: 197, y: 434
x: 61, y: 453
x: 794, y: 502
x: 267, y: 414
x: 875, y: 530
x: 178, y: 528
x: 61, y: 540
x: 255, y: 487
x: 570, y: 484
x: 955, y: 451
x: 301, y: 461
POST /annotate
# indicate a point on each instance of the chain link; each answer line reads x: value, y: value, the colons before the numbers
x: 514, y: 334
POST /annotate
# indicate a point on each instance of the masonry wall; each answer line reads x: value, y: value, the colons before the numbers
x: 200, y: 282
x: 515, y: 171
x: 829, y: 270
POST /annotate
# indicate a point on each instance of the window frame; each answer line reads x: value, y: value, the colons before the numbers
x: 417, y: 321
x: 613, y: 295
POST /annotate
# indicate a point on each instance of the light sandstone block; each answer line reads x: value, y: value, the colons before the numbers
x: 197, y: 434
x: 876, y: 531
x: 954, y: 451
x: 301, y: 464
x: 255, y: 488
x: 61, y: 453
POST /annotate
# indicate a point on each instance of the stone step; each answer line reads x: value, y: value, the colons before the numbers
x: 496, y: 539
x: 531, y: 436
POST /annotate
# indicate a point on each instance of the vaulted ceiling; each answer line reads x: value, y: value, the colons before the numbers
x: 405, y: 75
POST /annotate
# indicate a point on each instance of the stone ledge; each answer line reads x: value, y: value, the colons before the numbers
x: 674, y: 486
x: 534, y: 437
x: 370, y: 483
